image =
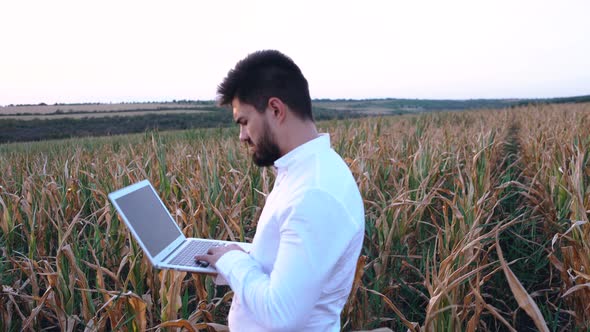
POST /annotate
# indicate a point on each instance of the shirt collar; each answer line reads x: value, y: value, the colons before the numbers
x: 319, y: 143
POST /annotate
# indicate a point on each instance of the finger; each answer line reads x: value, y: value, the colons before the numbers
x: 235, y: 247
x: 215, y: 250
x: 204, y: 258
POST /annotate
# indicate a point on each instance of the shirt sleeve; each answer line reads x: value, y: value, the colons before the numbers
x: 315, y: 231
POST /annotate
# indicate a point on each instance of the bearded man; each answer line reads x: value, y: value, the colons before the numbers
x: 299, y: 272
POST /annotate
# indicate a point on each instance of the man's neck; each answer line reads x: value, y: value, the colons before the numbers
x: 299, y: 134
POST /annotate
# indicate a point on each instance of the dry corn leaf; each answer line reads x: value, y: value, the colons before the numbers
x: 525, y: 301
x: 180, y: 323
x: 218, y: 327
x: 139, y: 309
x: 36, y: 311
x: 170, y: 289
x: 201, y: 290
x: 576, y: 288
x: 80, y: 279
x: 410, y: 325
x: 4, y: 217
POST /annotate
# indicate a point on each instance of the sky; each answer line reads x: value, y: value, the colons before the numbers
x: 130, y: 51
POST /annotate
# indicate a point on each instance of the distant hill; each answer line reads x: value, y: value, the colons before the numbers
x: 413, y: 105
x: 40, y: 122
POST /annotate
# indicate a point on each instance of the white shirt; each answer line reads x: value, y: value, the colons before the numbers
x: 300, y: 269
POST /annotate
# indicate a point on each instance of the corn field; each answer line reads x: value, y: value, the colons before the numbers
x: 474, y: 221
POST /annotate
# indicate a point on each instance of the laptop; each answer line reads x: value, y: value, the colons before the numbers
x: 157, y: 233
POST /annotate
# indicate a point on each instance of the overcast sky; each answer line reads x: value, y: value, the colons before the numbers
x: 112, y: 51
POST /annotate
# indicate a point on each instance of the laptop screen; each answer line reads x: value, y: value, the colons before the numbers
x: 149, y: 218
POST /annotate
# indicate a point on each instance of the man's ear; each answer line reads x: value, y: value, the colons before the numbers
x: 278, y: 108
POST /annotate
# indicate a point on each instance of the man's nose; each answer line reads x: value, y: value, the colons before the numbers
x: 243, y: 134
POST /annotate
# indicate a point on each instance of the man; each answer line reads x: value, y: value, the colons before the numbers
x: 299, y: 272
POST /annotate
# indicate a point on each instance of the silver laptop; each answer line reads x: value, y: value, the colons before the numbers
x: 158, y: 234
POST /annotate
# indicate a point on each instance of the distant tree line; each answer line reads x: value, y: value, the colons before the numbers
x: 113, y: 113
x: 561, y: 100
x: 446, y: 104
x: 13, y: 130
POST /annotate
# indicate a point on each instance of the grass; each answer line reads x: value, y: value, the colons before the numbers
x: 473, y: 220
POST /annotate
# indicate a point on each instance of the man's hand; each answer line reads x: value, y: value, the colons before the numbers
x: 213, y: 254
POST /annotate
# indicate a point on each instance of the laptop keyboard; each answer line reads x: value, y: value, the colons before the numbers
x: 186, y: 256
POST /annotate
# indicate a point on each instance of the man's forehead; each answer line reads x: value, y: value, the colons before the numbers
x: 235, y: 105
x: 241, y: 109
x: 235, y: 110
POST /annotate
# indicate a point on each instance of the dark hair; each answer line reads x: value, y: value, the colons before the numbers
x: 265, y: 74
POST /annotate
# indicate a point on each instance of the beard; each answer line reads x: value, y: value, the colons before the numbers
x: 266, y: 149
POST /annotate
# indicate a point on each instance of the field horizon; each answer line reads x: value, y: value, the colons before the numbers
x: 336, y: 103
x: 23, y: 123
